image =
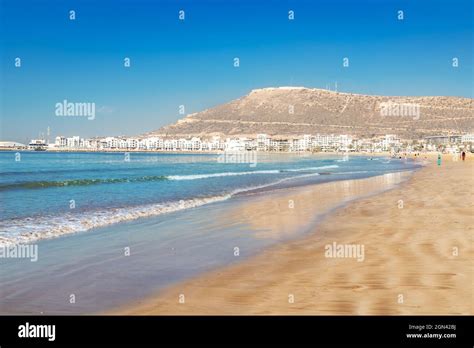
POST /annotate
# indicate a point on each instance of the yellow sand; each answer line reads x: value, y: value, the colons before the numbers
x: 418, y: 259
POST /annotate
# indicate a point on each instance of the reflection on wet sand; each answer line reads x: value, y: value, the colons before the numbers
x: 291, y: 211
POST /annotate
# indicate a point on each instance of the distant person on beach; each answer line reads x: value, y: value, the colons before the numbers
x: 439, y: 159
x: 463, y: 155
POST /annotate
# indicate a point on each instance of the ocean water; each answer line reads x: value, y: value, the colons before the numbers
x: 178, y: 216
x: 45, y: 195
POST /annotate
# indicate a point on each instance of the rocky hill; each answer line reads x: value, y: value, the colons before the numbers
x: 290, y: 111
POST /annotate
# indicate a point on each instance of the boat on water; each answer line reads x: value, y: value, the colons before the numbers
x: 38, y: 145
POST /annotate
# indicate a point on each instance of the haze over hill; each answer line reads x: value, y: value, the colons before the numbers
x: 288, y: 111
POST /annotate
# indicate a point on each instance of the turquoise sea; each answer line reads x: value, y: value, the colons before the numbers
x: 83, y: 210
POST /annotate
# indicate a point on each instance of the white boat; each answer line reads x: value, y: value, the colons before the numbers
x: 38, y: 145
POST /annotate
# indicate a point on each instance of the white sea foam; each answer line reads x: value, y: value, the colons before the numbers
x: 356, y: 172
x: 215, y: 175
x: 30, y: 229
x: 27, y: 230
x: 312, y: 168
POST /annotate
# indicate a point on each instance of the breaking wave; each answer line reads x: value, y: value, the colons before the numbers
x: 30, y: 229
x: 87, y: 182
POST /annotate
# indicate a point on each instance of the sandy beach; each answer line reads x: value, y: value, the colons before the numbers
x: 417, y: 258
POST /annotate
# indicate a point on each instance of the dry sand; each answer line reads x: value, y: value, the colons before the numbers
x: 418, y: 259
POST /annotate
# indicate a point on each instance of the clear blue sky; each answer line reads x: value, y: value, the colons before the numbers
x: 191, y: 62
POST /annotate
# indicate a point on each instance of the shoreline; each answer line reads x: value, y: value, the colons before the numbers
x: 81, y: 222
x: 409, y: 267
x: 159, y: 260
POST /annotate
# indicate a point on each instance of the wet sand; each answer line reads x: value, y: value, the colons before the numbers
x: 418, y: 258
x: 168, y: 249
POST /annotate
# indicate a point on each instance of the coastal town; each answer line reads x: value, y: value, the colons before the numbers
x: 260, y: 142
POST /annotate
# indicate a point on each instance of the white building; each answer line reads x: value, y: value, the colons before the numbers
x: 390, y: 141
x: 467, y: 138
x: 132, y: 144
x: 73, y: 142
x: 234, y: 145
x: 263, y: 142
x: 195, y: 144
x: 217, y: 143
x: 60, y: 141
